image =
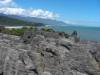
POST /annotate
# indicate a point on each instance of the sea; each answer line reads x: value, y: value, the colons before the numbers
x: 85, y: 33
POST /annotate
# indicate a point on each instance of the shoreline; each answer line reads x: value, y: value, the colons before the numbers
x: 82, y: 37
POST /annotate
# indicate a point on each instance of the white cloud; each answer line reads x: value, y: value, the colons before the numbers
x: 30, y: 12
x: 43, y: 14
x: 11, y: 8
x: 5, y: 3
x: 12, y: 11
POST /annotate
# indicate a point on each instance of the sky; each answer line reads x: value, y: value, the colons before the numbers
x: 78, y: 12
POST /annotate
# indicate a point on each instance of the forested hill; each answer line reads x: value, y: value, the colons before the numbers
x: 7, y: 21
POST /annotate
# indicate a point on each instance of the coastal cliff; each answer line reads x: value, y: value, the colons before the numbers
x: 47, y: 53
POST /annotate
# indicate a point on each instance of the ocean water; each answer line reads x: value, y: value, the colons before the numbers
x: 85, y: 33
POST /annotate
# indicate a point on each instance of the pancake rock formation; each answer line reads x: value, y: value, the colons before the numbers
x: 47, y: 53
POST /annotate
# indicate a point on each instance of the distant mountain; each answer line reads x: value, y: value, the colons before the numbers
x: 39, y: 20
x: 35, y: 20
x: 8, y: 20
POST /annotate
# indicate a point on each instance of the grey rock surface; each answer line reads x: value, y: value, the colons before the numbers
x: 47, y: 55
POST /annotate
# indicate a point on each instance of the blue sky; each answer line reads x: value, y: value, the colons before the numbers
x: 82, y: 12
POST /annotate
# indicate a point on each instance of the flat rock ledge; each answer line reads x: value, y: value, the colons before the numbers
x: 48, y: 56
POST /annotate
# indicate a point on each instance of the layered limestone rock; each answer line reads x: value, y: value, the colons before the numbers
x: 47, y: 54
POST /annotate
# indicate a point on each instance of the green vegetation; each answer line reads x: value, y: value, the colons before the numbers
x: 12, y: 22
x: 16, y: 22
x: 20, y: 31
x: 17, y: 32
x: 48, y: 29
x: 6, y: 21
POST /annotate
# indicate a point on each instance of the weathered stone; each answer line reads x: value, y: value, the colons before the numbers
x: 48, y: 56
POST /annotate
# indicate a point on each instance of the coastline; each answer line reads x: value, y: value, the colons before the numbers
x: 84, y: 36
